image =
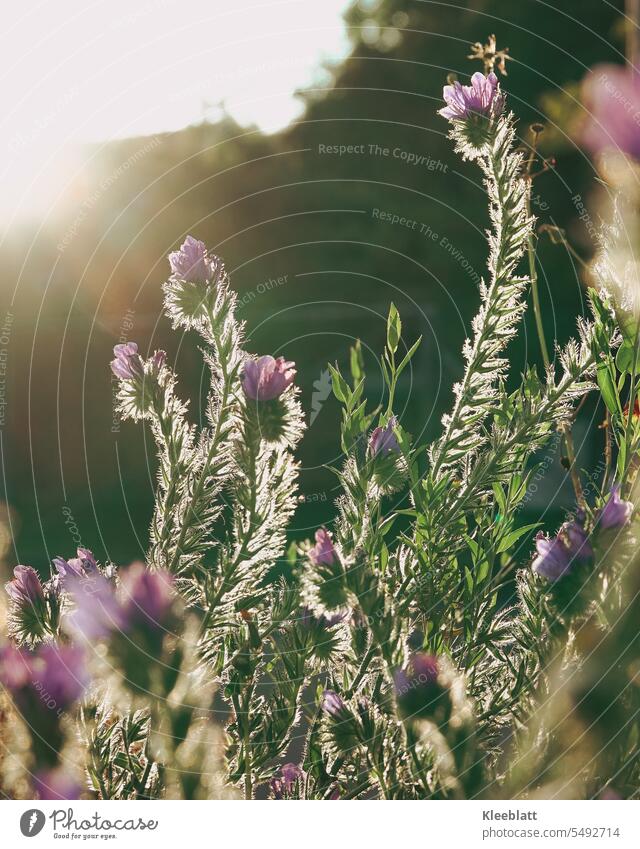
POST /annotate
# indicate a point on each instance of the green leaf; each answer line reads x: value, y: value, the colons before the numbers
x: 625, y: 357
x: 394, y: 329
x: 408, y: 355
x: 607, y: 387
x: 340, y: 386
x: 512, y: 538
x: 356, y: 362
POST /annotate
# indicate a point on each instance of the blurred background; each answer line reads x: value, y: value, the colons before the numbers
x: 285, y: 134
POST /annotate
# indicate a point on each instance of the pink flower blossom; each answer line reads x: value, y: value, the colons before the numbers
x: 383, y: 440
x: 616, y: 513
x: 323, y: 551
x: 611, y: 95
x: 128, y: 362
x: 480, y: 99
x: 25, y: 588
x: 266, y: 378
x: 191, y: 262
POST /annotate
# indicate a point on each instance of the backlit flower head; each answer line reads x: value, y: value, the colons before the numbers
x: 383, y: 440
x: 25, y: 588
x: 616, y: 513
x: 191, y: 262
x: 557, y: 556
x: 323, y: 551
x: 284, y: 783
x: 267, y: 378
x: 127, y: 364
x: 332, y: 703
x: 481, y: 99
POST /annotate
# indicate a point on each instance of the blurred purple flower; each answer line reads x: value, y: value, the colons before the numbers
x: 611, y: 95
x: 285, y: 782
x: 56, y: 783
x: 53, y: 677
x: 128, y: 362
x: 383, y: 440
x: 59, y: 673
x: 266, y: 378
x: 480, y: 99
x: 145, y: 599
x: 556, y: 556
x: 15, y: 670
x: 332, y: 703
x: 323, y: 551
x: 97, y: 610
x: 147, y: 596
x: 191, y: 262
x: 422, y: 671
x: 25, y: 588
x: 553, y: 559
x: 616, y: 513
x: 576, y: 539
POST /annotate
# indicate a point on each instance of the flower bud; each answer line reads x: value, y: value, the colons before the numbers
x: 383, y: 440
x: 332, y: 704
x: 25, y: 588
x: 267, y: 378
x: 616, y: 513
x: 191, y: 262
x: 128, y: 362
x: 419, y: 689
x: 323, y: 551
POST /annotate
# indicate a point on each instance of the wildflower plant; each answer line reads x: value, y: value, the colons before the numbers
x: 415, y: 640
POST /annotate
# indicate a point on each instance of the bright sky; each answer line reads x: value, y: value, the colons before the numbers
x: 91, y: 70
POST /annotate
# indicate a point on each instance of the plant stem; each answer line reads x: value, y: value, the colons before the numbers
x: 248, y: 789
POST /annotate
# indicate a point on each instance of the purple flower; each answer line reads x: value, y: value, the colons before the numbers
x: 425, y: 668
x: 25, y: 588
x: 556, y: 556
x: 332, y: 703
x: 616, y: 513
x: 98, y: 611
x: 147, y: 596
x: 78, y: 567
x: 128, y: 362
x: 145, y: 599
x: 611, y: 95
x: 266, y: 378
x: 422, y: 671
x: 323, y: 551
x: 284, y: 783
x: 191, y: 262
x: 56, y: 784
x: 59, y: 674
x: 15, y: 671
x: 52, y: 678
x: 553, y: 559
x: 480, y: 99
x: 576, y: 539
x: 157, y: 362
x: 383, y: 440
